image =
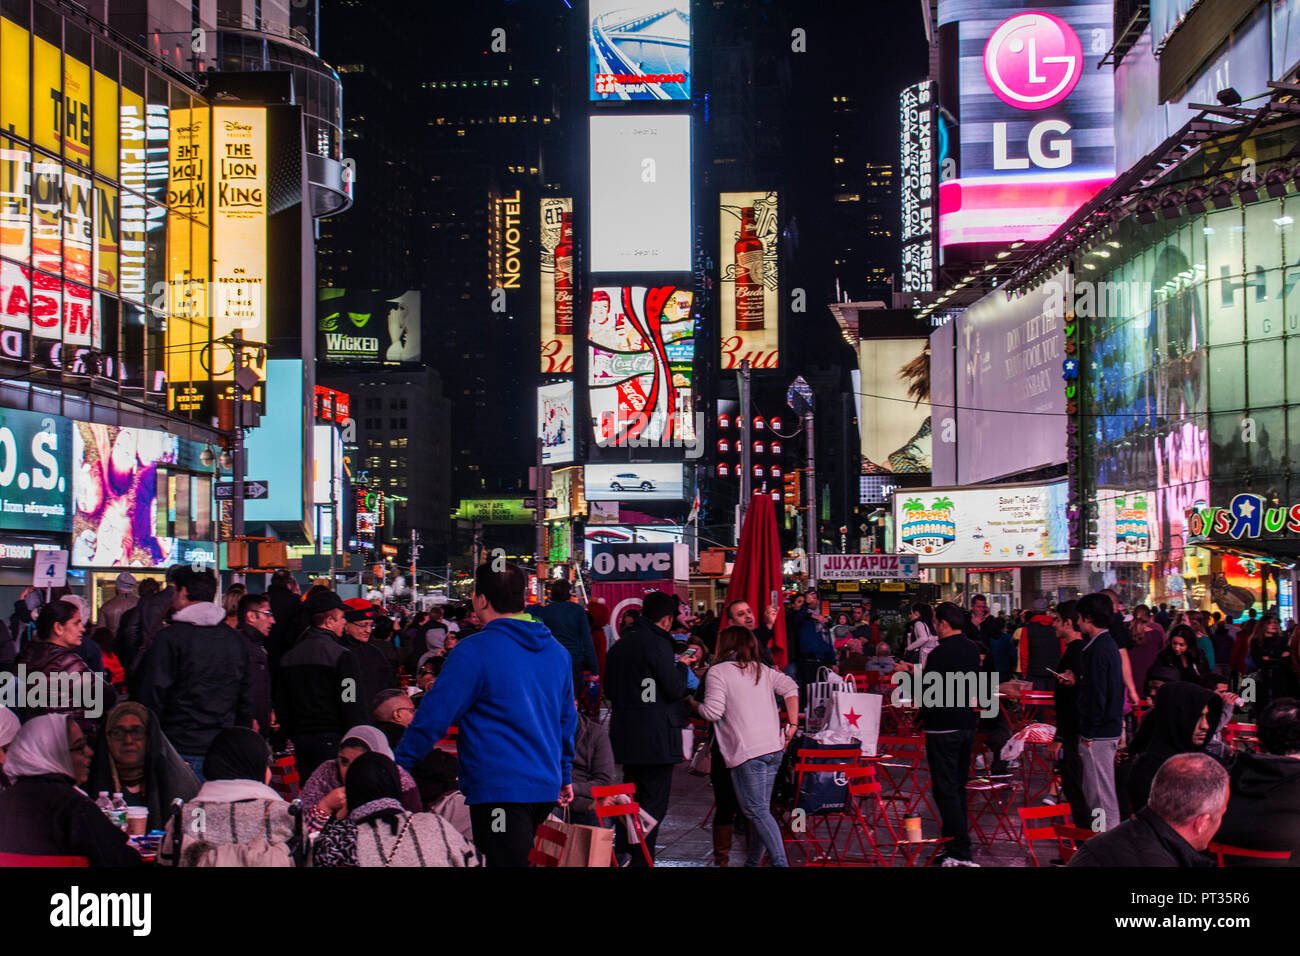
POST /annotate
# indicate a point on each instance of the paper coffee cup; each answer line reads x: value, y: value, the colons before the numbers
x: 137, y: 821
x: 912, y: 829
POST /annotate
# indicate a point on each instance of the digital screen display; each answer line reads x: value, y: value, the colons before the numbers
x: 639, y: 49
x: 631, y: 483
x: 749, y: 279
x: 555, y: 284
x: 1020, y: 524
x: 368, y: 326
x: 640, y: 193
x: 640, y: 365
x: 555, y: 422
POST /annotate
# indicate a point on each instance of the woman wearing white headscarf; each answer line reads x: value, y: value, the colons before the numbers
x: 323, y: 797
x: 45, y: 818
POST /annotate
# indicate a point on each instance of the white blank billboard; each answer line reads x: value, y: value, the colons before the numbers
x: 640, y: 193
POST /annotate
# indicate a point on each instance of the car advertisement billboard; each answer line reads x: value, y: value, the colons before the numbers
x: 640, y: 193
x: 995, y: 525
x: 640, y: 368
x: 640, y: 482
x: 555, y: 284
x: 555, y: 422
x: 749, y: 279
x: 639, y: 50
x: 1035, y: 117
x: 368, y: 326
x: 35, y: 471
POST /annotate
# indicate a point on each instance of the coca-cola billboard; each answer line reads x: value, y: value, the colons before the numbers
x: 749, y: 279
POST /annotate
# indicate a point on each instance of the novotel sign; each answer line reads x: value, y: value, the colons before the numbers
x: 639, y: 561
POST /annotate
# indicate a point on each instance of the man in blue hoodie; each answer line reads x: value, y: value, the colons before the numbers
x: 509, y: 690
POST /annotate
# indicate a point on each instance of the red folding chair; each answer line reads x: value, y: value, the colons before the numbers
x: 1068, y: 837
x: 899, y: 764
x: 540, y: 857
x: 987, y: 797
x: 1039, y: 823
x: 631, y: 810
x: 823, y: 850
x: 865, y: 790
x: 1223, y: 850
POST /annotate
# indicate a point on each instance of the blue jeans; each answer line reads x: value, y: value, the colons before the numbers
x: 753, y: 781
x: 195, y: 764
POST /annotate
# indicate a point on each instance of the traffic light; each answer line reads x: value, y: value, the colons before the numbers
x: 791, y: 495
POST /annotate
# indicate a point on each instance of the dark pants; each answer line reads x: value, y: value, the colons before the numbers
x: 503, y: 832
x: 726, y: 807
x: 949, y: 759
x: 1070, y: 767
x: 996, y: 731
x: 312, y: 750
x: 654, y: 783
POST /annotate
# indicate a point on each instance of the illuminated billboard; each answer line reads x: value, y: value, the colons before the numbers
x: 917, y: 185
x: 189, y: 188
x: 555, y: 284
x: 239, y: 210
x: 1009, y: 360
x: 640, y: 193
x: 639, y: 482
x: 35, y: 471
x: 368, y: 326
x: 640, y: 366
x: 567, y: 490
x: 639, y: 49
x: 749, y: 279
x: 495, y: 511
x: 995, y: 525
x: 275, y: 449
x: 895, y: 428
x: 116, y: 496
x: 1035, y: 117
x: 555, y: 422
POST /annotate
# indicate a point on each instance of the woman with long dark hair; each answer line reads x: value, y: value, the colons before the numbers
x: 59, y: 632
x: 738, y: 698
x: 1182, y: 654
x: 920, y: 634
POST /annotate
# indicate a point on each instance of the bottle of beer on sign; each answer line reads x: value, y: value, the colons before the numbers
x: 749, y: 275
x: 564, y: 277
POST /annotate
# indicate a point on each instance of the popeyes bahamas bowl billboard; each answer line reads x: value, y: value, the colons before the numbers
x: 993, y: 525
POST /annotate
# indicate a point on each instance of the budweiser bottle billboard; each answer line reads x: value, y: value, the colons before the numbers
x: 749, y: 275
x: 564, y: 277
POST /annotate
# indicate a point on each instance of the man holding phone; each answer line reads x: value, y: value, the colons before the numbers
x: 740, y: 614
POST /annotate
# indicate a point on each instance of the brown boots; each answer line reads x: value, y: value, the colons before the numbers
x: 721, y: 844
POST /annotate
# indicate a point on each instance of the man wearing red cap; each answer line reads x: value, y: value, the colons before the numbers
x: 376, y: 671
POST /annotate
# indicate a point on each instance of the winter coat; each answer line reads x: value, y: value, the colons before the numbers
x: 310, y: 698
x: 195, y: 678
x: 49, y: 658
x: 1264, y: 806
x: 259, y: 678
x: 644, y: 727
x: 373, y: 666
x: 110, y: 614
x: 1143, y: 840
x: 1167, y: 731
x: 569, y: 623
x: 47, y: 816
x: 1101, y: 689
x: 593, y: 763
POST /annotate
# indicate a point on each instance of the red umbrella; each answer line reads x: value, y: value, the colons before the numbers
x: 757, y: 571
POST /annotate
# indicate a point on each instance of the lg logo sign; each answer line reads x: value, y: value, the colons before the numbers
x: 1033, y: 61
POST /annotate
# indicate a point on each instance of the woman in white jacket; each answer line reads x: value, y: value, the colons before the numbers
x: 921, y: 637
x: 738, y: 697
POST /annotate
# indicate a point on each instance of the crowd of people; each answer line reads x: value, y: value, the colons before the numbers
x: 186, y: 699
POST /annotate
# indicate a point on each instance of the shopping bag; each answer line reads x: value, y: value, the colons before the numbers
x: 823, y: 792
x: 588, y: 846
x: 820, y: 693
x: 701, y: 764
x: 857, y: 715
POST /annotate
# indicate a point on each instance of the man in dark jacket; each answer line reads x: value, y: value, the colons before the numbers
x: 318, y: 698
x: 1040, y: 649
x: 571, y: 627
x: 285, y: 603
x: 255, y: 622
x: 194, y: 675
x: 1183, y: 720
x: 982, y: 628
x: 1065, y: 621
x: 1264, y: 808
x: 137, y: 628
x: 1188, y: 798
x: 377, y: 672
x: 646, y: 687
x: 740, y: 614
x: 950, y: 728
x: 1101, y: 708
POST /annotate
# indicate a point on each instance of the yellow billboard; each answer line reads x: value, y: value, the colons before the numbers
x: 239, y: 211
x: 189, y: 186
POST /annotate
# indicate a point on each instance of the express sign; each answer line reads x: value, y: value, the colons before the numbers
x: 867, y: 567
